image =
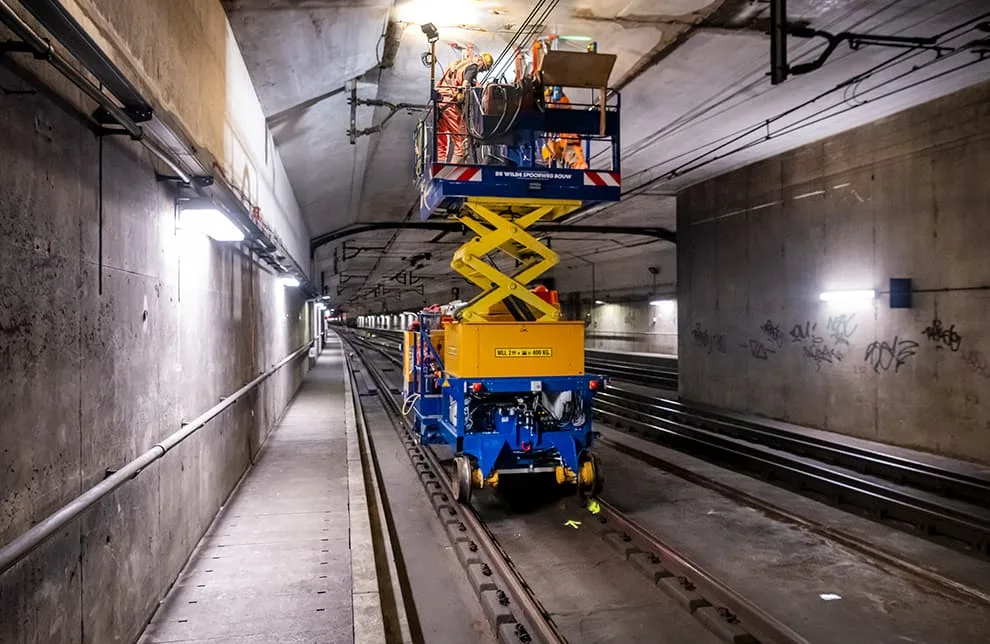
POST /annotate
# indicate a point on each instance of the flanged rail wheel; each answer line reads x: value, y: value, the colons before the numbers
x: 590, y: 478
x: 462, y: 479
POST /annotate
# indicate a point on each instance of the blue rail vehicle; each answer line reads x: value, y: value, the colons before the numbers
x: 500, y: 377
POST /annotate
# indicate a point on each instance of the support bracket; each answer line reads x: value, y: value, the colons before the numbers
x: 780, y: 69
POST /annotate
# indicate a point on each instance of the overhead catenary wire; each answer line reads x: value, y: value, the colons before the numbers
x: 513, y: 40
x: 728, y: 140
x: 718, y: 103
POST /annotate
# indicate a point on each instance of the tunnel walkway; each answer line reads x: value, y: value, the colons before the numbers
x: 276, y: 565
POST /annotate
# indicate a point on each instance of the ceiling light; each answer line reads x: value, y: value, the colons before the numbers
x: 289, y: 281
x: 600, y: 302
x: 847, y: 296
x: 211, y: 222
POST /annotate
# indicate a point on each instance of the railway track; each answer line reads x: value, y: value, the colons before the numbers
x: 515, y: 612
x: 924, y: 500
x: 949, y: 507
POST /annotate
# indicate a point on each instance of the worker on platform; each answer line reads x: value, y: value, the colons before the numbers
x: 563, y: 149
x: 456, y: 82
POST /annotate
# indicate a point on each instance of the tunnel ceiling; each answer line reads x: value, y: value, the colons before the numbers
x: 696, y: 98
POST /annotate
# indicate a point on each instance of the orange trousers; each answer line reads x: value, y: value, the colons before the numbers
x: 452, y: 140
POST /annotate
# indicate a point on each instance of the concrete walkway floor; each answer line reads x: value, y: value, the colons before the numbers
x: 289, y: 558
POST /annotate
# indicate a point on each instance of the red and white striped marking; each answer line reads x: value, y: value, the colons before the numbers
x: 456, y: 172
x: 602, y: 179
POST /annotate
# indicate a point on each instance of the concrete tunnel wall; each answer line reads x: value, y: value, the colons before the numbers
x: 906, y: 196
x: 113, y: 330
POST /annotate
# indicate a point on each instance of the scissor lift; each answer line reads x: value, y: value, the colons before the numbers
x: 501, y: 378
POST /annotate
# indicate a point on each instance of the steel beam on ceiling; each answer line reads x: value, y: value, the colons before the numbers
x: 656, y: 232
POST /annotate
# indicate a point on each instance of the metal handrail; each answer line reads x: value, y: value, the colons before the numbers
x: 20, y: 547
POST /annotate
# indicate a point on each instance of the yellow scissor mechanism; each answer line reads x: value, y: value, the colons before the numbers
x: 500, y: 224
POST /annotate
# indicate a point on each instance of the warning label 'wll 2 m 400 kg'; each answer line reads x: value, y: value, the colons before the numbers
x: 524, y: 353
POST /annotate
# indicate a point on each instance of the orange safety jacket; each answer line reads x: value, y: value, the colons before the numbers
x: 459, y: 75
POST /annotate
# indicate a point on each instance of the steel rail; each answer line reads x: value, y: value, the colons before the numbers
x: 896, y: 468
x: 959, y: 589
x: 686, y: 418
x: 964, y: 591
x: 535, y: 616
x: 755, y: 619
x: 935, y: 519
x: 23, y: 545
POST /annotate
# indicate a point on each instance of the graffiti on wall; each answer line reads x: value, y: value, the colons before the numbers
x: 828, y: 347
x: 943, y: 337
x: 883, y: 355
x: 770, y: 340
x: 708, y: 341
x: 821, y: 354
x: 831, y: 343
x: 841, y: 328
x: 772, y: 333
x: 758, y: 350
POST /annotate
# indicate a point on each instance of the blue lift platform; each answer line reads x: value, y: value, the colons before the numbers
x: 501, y: 377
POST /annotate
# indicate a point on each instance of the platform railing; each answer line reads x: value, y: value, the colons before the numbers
x: 23, y: 545
x: 493, y: 139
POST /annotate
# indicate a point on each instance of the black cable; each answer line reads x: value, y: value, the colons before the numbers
x: 804, y: 123
x: 729, y: 139
x: 509, y: 45
x: 690, y: 117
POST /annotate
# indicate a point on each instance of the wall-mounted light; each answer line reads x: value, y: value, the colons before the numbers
x: 665, y: 306
x: 847, y: 296
x: 209, y: 220
x: 289, y: 281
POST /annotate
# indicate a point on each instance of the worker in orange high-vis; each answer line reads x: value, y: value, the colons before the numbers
x: 452, y: 140
x: 563, y: 149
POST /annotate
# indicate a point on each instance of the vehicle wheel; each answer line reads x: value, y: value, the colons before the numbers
x: 591, y: 479
x: 462, y: 479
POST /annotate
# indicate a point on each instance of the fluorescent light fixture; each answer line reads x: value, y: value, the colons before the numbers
x: 577, y: 38
x: 289, y: 281
x: 847, y: 296
x: 600, y: 302
x: 666, y: 306
x: 211, y: 222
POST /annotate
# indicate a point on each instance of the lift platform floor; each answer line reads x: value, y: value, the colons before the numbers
x: 289, y: 558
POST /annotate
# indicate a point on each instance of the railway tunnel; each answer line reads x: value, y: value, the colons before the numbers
x: 494, y: 321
